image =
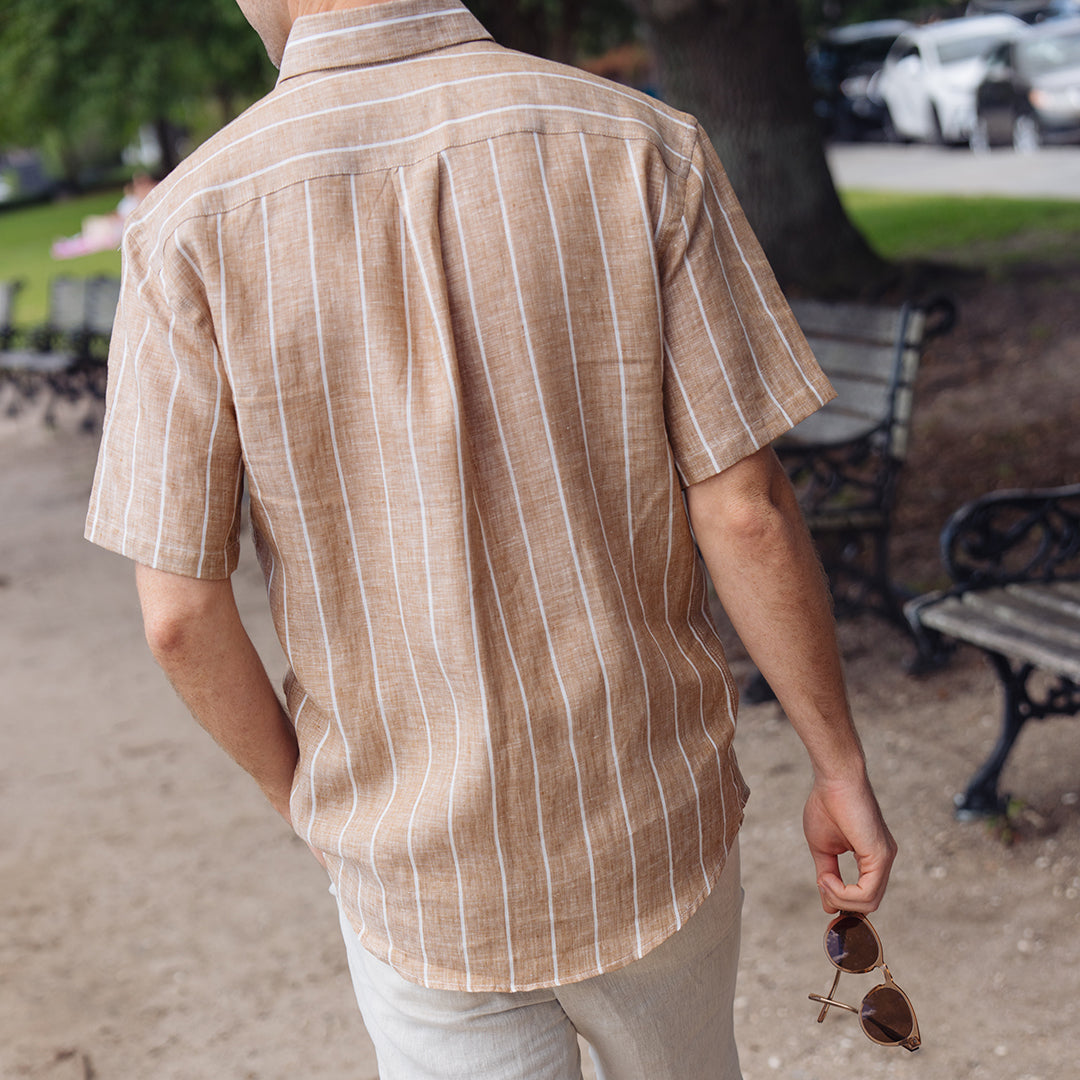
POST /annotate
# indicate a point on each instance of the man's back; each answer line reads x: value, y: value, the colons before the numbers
x: 442, y: 306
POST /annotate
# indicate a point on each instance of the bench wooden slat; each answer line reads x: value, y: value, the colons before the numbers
x: 1014, y: 607
x: 855, y: 397
x: 828, y: 429
x: 864, y: 322
x: 1068, y: 591
x: 1061, y: 596
x: 973, y: 623
x: 854, y: 359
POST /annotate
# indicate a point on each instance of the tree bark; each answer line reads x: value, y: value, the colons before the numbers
x: 740, y: 68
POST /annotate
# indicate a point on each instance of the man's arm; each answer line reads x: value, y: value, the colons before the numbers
x: 767, y: 575
x: 194, y: 631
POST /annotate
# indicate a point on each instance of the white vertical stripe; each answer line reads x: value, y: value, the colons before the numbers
x: 705, y: 446
x: 560, y: 489
x: 533, y: 756
x: 210, y: 463
x: 673, y: 508
x: 451, y: 383
x: 167, y: 436
x: 214, y: 420
x: 729, y: 704
x: 738, y: 310
x: 328, y: 403
x: 419, y: 690
x: 296, y: 724
x: 363, y: 595
x: 616, y: 571
x: 629, y: 491
x: 301, y: 516
x: 753, y: 278
x: 133, y: 470
x: 707, y: 326
x: 676, y: 506
x: 662, y: 211
x: 521, y: 522
x: 226, y: 359
x: 238, y: 487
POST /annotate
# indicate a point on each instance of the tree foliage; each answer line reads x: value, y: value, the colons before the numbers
x: 82, y: 71
x: 558, y: 29
x: 73, y: 71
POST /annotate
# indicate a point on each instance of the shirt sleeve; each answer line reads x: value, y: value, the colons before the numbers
x: 738, y: 371
x: 169, y: 474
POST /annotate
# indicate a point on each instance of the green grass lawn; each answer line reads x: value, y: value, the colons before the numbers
x: 25, y: 238
x: 985, y: 231
x: 974, y: 231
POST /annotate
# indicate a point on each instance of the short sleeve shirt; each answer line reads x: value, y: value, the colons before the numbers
x: 463, y: 323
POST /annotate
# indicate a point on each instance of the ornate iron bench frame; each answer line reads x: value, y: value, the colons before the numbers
x: 65, y: 357
x: 845, y: 460
x: 1015, y: 559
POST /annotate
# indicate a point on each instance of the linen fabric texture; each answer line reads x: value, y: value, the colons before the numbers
x: 463, y: 323
x: 668, y: 1016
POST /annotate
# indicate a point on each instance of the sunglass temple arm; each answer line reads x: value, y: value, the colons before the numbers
x: 827, y: 999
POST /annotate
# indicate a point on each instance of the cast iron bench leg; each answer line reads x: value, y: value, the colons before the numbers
x: 981, y: 799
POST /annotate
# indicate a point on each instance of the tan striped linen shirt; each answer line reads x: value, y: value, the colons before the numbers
x: 465, y: 322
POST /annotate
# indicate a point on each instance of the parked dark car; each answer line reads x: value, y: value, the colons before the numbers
x: 841, y: 65
x: 1030, y: 93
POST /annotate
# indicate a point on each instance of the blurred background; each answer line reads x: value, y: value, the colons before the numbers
x: 159, y: 922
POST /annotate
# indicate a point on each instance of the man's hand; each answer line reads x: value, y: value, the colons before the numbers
x: 841, y: 817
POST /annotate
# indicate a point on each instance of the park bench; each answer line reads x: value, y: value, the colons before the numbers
x: 846, y: 459
x: 1014, y: 559
x: 64, y: 358
x: 9, y: 290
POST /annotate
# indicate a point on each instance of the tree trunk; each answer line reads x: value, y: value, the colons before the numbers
x: 168, y: 140
x: 740, y: 68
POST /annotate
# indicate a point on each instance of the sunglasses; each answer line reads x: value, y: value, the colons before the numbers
x: 886, y: 1015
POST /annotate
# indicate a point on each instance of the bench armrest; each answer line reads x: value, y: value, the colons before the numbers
x: 1010, y: 536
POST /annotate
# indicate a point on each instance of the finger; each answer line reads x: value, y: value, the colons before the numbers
x: 864, y: 895
x: 829, y: 881
x: 828, y: 887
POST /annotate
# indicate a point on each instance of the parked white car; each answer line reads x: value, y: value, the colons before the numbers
x: 930, y: 75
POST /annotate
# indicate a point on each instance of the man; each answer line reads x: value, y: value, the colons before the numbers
x: 485, y: 338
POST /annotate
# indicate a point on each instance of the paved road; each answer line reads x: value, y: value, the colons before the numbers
x: 1053, y: 172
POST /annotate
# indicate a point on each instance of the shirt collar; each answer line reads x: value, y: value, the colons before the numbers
x: 377, y: 34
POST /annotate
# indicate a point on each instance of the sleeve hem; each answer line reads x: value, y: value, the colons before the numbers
x: 704, y: 466
x: 186, y: 562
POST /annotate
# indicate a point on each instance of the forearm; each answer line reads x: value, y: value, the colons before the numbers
x: 766, y: 572
x: 768, y: 578
x: 196, y: 635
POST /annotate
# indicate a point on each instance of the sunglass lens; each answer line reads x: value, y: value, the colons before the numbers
x: 851, y: 945
x: 886, y: 1015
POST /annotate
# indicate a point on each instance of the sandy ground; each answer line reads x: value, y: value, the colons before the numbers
x: 158, y: 922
